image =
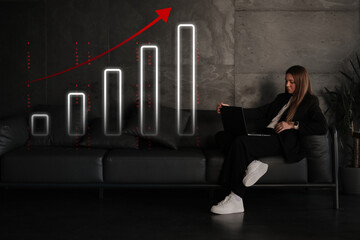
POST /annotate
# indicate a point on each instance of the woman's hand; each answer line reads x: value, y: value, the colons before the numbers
x: 281, y: 126
x: 219, y: 106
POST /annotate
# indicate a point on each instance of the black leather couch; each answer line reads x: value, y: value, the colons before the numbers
x: 96, y: 161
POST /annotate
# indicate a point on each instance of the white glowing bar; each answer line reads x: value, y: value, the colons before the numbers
x: 142, y: 90
x: 106, y: 113
x: 192, y: 27
x: 76, y: 94
x: 39, y: 115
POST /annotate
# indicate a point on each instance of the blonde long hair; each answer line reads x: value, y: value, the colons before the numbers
x: 302, y: 86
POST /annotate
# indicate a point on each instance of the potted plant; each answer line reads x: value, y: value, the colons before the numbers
x: 344, y: 105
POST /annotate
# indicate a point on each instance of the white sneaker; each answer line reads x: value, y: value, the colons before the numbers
x: 229, y: 205
x: 254, y: 172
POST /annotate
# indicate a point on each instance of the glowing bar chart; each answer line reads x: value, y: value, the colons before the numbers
x: 149, y: 93
x: 115, y: 130
x: 180, y: 28
x: 76, y: 100
x: 34, y: 122
x: 143, y: 79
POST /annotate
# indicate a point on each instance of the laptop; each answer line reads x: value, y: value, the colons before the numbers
x: 233, y: 120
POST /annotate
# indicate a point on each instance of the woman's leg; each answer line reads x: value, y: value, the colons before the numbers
x: 224, y: 140
x: 242, y: 152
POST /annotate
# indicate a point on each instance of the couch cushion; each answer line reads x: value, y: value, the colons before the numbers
x: 214, y: 162
x: 95, y: 138
x: 278, y: 172
x: 281, y: 172
x: 13, y: 133
x: 317, y: 150
x: 167, y: 132
x: 155, y: 166
x: 53, y: 165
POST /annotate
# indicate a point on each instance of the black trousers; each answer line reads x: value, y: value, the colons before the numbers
x: 239, y: 152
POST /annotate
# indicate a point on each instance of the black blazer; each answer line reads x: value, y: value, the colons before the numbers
x: 309, y: 115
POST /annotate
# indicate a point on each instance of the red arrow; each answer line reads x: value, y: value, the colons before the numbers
x: 163, y: 14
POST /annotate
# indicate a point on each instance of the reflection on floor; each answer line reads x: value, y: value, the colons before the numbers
x: 174, y: 214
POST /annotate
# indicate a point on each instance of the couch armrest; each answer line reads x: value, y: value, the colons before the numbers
x: 13, y: 133
x: 318, y: 151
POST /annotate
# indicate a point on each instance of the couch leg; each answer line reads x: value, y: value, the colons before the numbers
x: 336, y: 198
x: 101, y: 193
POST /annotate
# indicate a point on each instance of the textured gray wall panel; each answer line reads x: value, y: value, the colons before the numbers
x: 253, y: 90
x: 291, y: 5
x: 272, y: 41
x: 215, y: 84
x: 214, y: 21
x: 244, y: 47
x: 69, y: 22
x: 21, y: 23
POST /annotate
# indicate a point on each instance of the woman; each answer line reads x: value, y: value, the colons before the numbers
x: 293, y: 113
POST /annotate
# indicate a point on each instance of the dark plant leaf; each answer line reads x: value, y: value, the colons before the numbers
x: 347, y: 76
x: 354, y: 68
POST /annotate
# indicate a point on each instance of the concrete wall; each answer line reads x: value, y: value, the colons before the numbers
x: 273, y: 35
x: 244, y: 46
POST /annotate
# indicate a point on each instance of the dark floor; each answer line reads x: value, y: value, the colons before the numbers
x: 277, y: 214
